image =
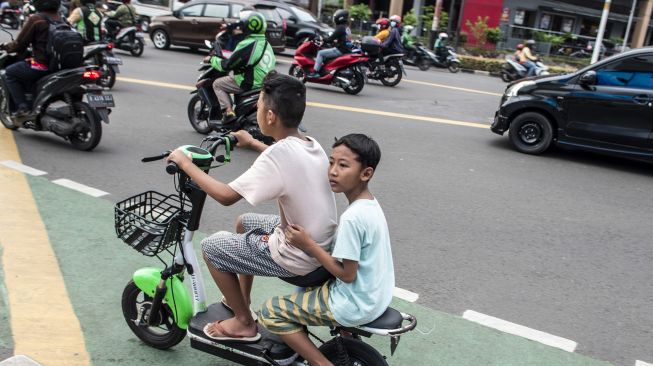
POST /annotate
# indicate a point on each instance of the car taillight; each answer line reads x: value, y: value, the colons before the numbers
x: 110, y: 46
x: 92, y: 75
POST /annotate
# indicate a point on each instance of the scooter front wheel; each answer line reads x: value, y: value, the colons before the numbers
x: 358, y: 352
x: 454, y: 67
x: 198, y: 115
x: 136, y: 307
x: 137, y: 49
x: 424, y: 64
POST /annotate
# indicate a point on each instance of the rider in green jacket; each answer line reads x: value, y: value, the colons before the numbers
x: 252, y: 59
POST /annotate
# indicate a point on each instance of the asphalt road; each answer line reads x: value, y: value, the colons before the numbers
x: 559, y: 243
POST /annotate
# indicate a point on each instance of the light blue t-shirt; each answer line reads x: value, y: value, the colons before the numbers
x: 363, y: 237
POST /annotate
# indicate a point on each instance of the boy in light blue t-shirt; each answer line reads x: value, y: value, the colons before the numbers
x: 361, y: 260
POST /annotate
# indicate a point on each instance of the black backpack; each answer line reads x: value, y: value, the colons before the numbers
x: 65, y: 48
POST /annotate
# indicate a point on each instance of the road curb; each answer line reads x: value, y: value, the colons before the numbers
x: 481, y: 72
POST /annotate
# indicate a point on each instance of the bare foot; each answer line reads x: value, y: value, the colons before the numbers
x: 232, y: 327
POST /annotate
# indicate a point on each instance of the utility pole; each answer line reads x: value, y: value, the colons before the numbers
x: 436, y: 22
x: 417, y: 10
x: 459, y: 22
x: 630, y: 22
x: 599, y: 36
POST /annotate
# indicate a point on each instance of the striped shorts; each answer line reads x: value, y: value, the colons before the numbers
x: 289, y: 314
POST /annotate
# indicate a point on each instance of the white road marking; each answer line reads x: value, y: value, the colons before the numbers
x: 19, y: 360
x: 405, y: 294
x: 22, y: 168
x: 520, y: 330
x: 642, y: 363
x: 80, y: 187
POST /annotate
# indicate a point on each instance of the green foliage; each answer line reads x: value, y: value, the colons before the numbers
x: 493, y: 35
x: 479, y: 30
x: 427, y: 18
x: 410, y: 18
x: 462, y: 38
x: 555, y: 39
x: 494, y: 65
x: 360, y: 12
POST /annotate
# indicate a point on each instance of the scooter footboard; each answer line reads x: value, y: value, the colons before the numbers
x: 177, y: 296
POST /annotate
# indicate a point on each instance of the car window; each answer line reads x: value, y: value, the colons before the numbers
x: 285, y: 14
x: 631, y: 72
x: 216, y: 11
x: 271, y: 15
x: 303, y: 15
x: 193, y: 11
x: 235, y: 10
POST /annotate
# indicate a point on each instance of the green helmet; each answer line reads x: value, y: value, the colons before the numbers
x: 252, y: 22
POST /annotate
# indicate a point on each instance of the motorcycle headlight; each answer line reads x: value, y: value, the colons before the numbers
x: 514, y: 90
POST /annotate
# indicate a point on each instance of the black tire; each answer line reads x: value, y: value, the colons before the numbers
x: 89, y: 137
x: 108, y: 79
x: 140, y: 47
x: 15, y: 24
x: 531, y: 133
x: 360, y: 353
x: 196, y: 110
x: 454, y: 67
x: 5, y: 113
x: 160, y: 39
x: 161, y: 338
x: 357, y: 82
x: 505, y: 76
x: 424, y: 64
x: 393, y: 67
x: 297, y: 72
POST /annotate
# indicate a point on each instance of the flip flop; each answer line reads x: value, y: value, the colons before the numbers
x: 226, y: 337
x: 224, y: 303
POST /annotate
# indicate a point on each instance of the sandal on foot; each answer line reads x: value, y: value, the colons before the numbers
x: 227, y: 337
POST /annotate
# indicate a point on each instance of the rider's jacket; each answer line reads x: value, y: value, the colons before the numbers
x: 126, y: 15
x: 407, y: 39
x: 88, y: 22
x: 393, y: 42
x: 252, y: 59
x: 382, y: 35
x: 35, y: 33
x: 341, y: 38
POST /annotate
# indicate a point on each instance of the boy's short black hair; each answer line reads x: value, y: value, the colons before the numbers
x: 285, y: 96
x: 368, y: 151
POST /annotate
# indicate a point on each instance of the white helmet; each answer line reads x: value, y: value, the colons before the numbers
x: 408, y: 28
x: 443, y: 35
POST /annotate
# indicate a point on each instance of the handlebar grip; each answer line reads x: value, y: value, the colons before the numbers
x: 172, y: 168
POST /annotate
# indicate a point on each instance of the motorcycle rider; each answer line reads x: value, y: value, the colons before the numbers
x: 519, y: 53
x: 384, y: 31
x: 392, y: 44
x: 23, y: 74
x: 124, y: 16
x: 341, y: 37
x: 250, y: 62
x: 440, y: 45
x: 528, y: 58
x: 88, y: 21
x: 407, y: 41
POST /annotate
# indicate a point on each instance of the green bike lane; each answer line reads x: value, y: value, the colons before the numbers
x: 95, y: 266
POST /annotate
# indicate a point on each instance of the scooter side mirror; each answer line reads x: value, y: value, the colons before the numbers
x: 588, y: 78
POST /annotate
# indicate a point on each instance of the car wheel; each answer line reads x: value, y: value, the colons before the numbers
x: 531, y: 133
x: 160, y: 39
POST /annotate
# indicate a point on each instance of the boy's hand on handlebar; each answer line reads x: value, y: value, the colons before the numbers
x: 179, y: 158
x: 298, y: 237
x: 244, y: 138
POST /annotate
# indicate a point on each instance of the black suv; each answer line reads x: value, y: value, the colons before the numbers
x: 301, y: 24
x: 605, y: 107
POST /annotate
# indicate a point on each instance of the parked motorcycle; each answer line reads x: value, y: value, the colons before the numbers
x: 59, y: 106
x: 388, y: 69
x: 129, y: 39
x: 205, y: 112
x: 513, y: 70
x: 161, y: 311
x: 342, y: 72
x: 424, y: 58
x: 101, y: 55
x: 10, y: 17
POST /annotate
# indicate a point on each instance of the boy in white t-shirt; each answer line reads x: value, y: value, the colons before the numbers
x: 291, y: 172
x: 361, y: 261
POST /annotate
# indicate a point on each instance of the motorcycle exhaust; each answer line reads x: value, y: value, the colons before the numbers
x: 59, y: 127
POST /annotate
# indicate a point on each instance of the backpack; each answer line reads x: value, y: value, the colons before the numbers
x: 65, y: 48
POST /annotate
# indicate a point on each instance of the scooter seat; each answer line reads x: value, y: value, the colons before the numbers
x: 390, y: 319
x: 315, y: 278
x: 248, y: 93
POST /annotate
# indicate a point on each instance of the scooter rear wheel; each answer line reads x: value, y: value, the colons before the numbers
x: 89, y: 137
x: 394, y: 69
x: 138, y: 50
x: 135, y: 308
x: 359, y: 353
x: 424, y: 64
x: 356, y: 83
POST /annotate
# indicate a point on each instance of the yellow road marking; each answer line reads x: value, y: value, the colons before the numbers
x: 42, y: 319
x: 330, y: 106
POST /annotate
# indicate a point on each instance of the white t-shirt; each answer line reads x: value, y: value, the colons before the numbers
x: 294, y: 172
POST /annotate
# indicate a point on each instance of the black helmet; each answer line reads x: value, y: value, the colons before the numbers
x: 252, y: 22
x: 47, y: 5
x: 341, y: 16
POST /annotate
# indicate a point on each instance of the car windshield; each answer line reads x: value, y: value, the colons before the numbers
x: 271, y: 15
x: 302, y: 15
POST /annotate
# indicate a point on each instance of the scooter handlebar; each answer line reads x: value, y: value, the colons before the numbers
x: 172, y: 168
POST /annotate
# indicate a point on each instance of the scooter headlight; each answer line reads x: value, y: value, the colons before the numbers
x: 514, y: 90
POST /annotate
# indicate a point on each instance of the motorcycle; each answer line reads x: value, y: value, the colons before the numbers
x: 388, y: 69
x: 161, y: 311
x: 204, y: 107
x: 27, y: 10
x: 424, y: 58
x: 10, y: 17
x: 58, y: 105
x: 129, y: 39
x: 513, y: 70
x: 342, y: 72
x: 101, y: 54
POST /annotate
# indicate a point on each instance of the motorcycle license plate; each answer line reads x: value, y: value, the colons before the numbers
x: 114, y: 61
x: 100, y: 100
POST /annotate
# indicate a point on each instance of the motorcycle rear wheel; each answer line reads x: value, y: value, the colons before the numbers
x: 5, y: 114
x: 89, y: 137
x: 135, y: 303
x: 138, y: 50
x: 394, y: 68
x: 297, y: 72
x: 194, y: 112
x: 356, y: 83
x: 359, y: 352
